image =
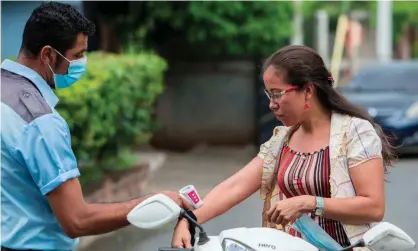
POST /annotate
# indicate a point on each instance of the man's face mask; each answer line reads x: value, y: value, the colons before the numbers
x: 76, y: 69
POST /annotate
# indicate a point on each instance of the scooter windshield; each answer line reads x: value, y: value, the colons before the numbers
x: 232, y: 245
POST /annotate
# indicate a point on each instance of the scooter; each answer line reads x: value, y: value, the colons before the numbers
x: 159, y: 210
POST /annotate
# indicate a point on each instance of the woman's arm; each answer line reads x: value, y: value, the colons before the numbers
x: 365, y: 166
x: 231, y: 191
x: 369, y: 203
x: 222, y: 198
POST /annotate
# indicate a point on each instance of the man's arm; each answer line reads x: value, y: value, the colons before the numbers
x: 44, y: 147
x: 79, y: 218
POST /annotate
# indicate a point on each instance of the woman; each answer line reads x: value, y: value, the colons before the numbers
x: 328, y: 160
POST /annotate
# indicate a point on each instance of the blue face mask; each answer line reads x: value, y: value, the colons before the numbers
x: 76, y: 69
x: 315, y: 235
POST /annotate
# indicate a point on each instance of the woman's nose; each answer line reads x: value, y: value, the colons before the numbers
x: 273, y: 105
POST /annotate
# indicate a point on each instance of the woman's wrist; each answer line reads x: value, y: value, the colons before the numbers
x: 183, y: 222
x: 309, y: 204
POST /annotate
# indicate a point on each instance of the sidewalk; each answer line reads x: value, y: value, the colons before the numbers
x: 204, y: 167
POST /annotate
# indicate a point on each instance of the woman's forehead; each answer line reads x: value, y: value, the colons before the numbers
x: 273, y: 80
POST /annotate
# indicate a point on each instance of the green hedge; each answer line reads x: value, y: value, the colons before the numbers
x: 110, y: 109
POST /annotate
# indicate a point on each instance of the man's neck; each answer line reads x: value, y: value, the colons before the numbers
x: 32, y: 64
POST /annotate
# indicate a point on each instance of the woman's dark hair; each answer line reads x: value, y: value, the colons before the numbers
x: 299, y: 65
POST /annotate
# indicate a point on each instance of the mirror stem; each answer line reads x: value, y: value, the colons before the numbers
x: 203, y: 237
x: 360, y: 243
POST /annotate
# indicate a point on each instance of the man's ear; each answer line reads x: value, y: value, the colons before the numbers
x: 47, y: 56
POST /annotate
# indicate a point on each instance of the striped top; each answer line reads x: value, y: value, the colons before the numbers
x: 308, y: 174
x: 352, y: 141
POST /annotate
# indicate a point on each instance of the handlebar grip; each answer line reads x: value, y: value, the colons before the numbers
x: 176, y: 249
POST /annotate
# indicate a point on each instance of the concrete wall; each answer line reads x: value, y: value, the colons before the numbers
x: 208, y: 103
x: 14, y: 15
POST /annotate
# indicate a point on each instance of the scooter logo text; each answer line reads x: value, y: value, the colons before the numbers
x: 262, y: 245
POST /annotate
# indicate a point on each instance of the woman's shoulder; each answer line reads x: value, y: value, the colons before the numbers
x: 268, y: 147
x: 356, y: 124
x: 278, y: 134
x: 360, y: 125
x: 363, y: 142
x: 280, y: 129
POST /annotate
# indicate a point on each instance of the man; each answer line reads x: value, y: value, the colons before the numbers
x: 42, y: 201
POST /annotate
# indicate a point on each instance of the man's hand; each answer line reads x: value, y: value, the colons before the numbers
x: 175, y: 196
x: 78, y: 218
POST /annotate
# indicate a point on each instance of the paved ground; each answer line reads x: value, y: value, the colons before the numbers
x: 207, y: 167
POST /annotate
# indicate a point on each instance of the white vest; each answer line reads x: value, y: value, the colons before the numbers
x: 352, y: 142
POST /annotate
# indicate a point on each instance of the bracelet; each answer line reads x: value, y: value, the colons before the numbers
x: 319, y: 210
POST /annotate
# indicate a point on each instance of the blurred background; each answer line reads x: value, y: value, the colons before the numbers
x: 173, y: 93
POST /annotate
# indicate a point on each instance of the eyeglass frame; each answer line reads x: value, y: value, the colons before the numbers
x: 275, y: 97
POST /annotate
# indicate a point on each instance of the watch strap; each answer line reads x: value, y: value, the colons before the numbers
x: 192, y: 225
x: 319, y: 209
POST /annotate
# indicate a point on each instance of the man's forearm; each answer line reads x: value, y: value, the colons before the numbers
x: 104, y: 218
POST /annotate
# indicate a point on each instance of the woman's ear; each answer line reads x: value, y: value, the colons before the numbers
x: 309, y: 90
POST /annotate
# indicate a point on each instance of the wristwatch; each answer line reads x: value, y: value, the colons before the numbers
x: 319, y: 209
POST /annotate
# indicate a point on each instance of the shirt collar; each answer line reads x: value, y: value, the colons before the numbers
x: 33, y: 76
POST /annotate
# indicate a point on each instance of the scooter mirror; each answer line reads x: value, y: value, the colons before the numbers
x: 154, y: 212
x: 387, y: 237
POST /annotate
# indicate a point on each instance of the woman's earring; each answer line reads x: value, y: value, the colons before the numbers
x: 307, y: 105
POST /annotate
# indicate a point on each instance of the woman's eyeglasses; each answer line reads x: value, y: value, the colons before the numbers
x: 275, y: 96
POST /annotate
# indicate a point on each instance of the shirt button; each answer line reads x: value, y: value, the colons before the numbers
x: 26, y: 95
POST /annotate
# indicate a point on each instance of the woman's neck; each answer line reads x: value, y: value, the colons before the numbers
x: 318, y: 118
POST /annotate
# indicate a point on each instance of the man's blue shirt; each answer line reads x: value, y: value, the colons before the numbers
x: 36, y: 157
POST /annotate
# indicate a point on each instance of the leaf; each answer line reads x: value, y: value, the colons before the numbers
x: 228, y: 27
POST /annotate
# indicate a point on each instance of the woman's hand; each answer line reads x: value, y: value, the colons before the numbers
x: 291, y: 209
x: 181, y: 235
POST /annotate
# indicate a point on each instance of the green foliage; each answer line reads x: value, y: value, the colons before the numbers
x: 333, y: 8
x: 231, y: 28
x: 110, y: 109
x: 404, y: 13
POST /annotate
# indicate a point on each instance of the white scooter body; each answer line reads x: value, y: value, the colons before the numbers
x: 158, y: 210
x: 261, y: 239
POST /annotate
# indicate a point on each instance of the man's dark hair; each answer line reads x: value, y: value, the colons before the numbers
x: 55, y: 24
